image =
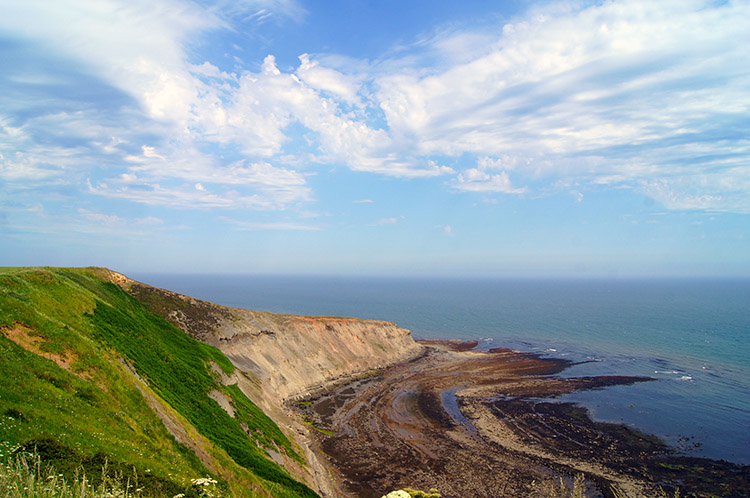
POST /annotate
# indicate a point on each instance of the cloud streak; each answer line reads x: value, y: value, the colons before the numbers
x: 623, y: 91
x: 647, y: 95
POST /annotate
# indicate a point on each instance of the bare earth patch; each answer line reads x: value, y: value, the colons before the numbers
x: 21, y: 335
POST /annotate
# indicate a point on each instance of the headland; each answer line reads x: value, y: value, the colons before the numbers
x: 376, y: 410
x: 282, y: 405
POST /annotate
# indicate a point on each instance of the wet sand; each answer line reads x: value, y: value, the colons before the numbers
x: 475, y: 424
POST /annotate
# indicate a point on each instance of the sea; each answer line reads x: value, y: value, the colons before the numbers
x: 691, y: 335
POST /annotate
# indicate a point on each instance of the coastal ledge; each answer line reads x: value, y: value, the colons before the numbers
x: 479, y: 424
x: 289, y: 355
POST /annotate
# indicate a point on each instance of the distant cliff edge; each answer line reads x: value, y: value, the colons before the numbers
x: 290, y: 355
x: 283, y: 357
x: 169, y: 391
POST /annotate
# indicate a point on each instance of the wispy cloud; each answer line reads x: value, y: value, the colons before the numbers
x: 483, y: 179
x: 648, y: 95
x: 182, y: 196
x: 65, y: 226
x: 116, y: 221
x: 271, y: 226
x: 622, y: 91
x: 167, y: 111
x: 386, y: 221
x: 262, y: 10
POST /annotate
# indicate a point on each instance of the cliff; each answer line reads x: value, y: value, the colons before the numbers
x: 289, y: 355
x: 282, y: 357
x: 164, y: 389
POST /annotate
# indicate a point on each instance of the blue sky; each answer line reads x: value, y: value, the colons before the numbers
x: 517, y: 138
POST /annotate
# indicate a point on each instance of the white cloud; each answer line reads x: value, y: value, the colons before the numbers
x: 328, y: 80
x: 140, y: 48
x: 631, y: 93
x: 137, y: 46
x: 570, y: 89
x: 211, y: 187
x: 481, y: 179
x: 101, y: 219
x: 478, y: 180
x: 256, y: 113
x: 486, y: 162
x: 724, y: 192
x: 117, y: 222
x: 149, y: 220
x: 87, y: 223
x: 150, y: 153
x: 386, y: 221
x: 181, y: 197
x: 24, y: 159
x: 262, y: 10
x: 19, y: 167
x: 156, y: 177
x: 271, y: 225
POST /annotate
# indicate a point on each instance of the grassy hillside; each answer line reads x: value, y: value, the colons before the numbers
x: 71, y: 343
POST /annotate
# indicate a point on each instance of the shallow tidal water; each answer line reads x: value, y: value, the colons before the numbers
x: 691, y: 335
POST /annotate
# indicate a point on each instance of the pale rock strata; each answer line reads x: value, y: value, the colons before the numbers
x: 283, y: 357
x: 294, y: 355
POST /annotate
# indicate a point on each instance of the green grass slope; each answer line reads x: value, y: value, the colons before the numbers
x: 66, y: 336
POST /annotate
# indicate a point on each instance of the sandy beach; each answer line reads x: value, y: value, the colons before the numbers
x: 482, y: 424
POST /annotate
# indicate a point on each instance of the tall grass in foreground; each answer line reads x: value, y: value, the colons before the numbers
x: 25, y: 476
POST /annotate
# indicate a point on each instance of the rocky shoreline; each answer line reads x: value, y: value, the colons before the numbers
x: 383, y: 412
x: 481, y: 424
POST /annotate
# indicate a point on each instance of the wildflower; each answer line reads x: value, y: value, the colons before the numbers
x: 203, y: 481
x: 180, y: 495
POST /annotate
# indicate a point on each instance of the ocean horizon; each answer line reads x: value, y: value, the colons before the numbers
x: 689, y: 334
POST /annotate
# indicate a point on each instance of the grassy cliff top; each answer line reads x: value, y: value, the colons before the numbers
x: 92, y: 376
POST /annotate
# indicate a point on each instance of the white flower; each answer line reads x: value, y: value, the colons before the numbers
x: 203, y: 481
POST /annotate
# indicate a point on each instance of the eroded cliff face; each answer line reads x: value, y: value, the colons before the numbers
x: 289, y: 355
x: 293, y: 355
x: 282, y: 357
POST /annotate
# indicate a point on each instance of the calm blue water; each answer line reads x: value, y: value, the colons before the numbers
x: 692, y: 335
